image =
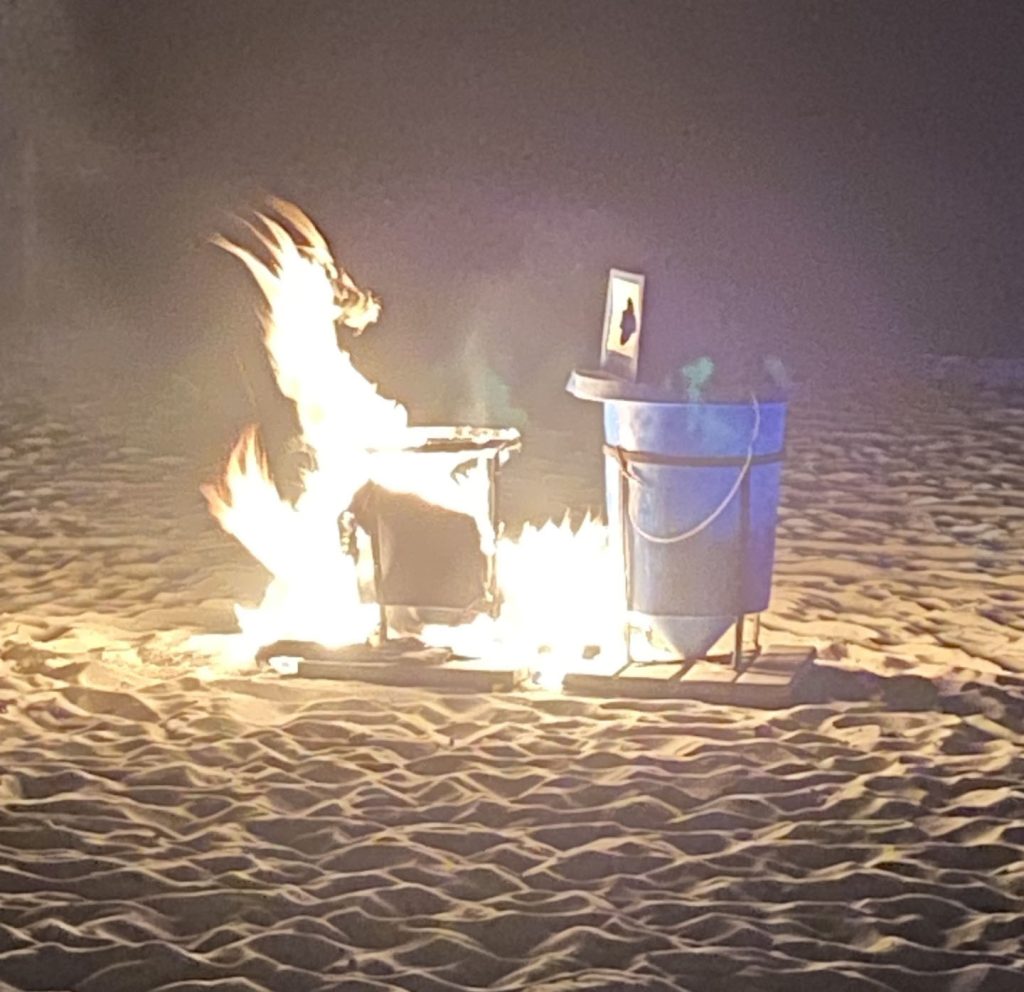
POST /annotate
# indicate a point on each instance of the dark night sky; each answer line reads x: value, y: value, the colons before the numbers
x: 795, y: 177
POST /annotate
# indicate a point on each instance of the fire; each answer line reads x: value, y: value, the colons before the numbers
x: 314, y: 593
x: 557, y: 584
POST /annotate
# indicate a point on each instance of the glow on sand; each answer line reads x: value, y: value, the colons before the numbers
x: 559, y: 586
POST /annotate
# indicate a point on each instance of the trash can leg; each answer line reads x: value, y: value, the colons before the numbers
x: 626, y: 563
x: 737, y: 651
x: 493, y: 589
x: 378, y: 581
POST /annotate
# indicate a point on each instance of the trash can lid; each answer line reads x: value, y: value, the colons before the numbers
x: 604, y: 387
x: 599, y: 385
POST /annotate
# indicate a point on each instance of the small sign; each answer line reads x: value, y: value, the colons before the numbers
x: 623, y: 320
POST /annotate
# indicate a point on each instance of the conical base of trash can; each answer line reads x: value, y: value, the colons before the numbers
x: 689, y: 637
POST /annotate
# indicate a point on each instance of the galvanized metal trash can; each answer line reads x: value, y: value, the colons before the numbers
x: 692, y: 495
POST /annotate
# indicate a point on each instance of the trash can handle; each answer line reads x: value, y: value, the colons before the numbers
x: 716, y: 512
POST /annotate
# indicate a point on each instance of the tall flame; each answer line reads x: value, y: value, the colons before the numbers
x: 555, y: 582
x: 314, y: 593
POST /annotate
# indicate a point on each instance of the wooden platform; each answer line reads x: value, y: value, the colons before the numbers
x: 765, y: 682
x: 401, y: 662
x: 448, y: 678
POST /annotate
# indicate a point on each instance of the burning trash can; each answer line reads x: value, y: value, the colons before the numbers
x: 423, y: 498
x: 436, y: 559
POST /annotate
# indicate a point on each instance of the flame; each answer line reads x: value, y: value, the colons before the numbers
x: 557, y: 583
x: 314, y: 593
x: 561, y: 593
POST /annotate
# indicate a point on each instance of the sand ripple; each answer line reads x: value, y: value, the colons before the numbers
x: 159, y: 832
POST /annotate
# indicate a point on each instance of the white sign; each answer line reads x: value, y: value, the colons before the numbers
x: 623, y: 321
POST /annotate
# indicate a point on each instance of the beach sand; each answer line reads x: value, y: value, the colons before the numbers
x: 164, y: 830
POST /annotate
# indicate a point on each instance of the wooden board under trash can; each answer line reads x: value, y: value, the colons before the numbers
x: 766, y: 682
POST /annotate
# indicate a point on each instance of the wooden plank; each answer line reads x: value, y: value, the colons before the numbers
x: 766, y: 683
x: 449, y: 678
x: 405, y: 649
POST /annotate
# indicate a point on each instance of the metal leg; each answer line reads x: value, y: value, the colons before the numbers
x: 743, y: 544
x: 624, y: 531
x: 741, y: 569
x: 378, y: 580
x: 737, y: 651
x: 494, y: 605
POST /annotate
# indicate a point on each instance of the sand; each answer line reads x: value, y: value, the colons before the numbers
x: 162, y: 830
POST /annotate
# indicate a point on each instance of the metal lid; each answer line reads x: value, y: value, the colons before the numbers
x: 459, y: 440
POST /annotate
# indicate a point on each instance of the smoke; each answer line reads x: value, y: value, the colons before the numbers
x: 485, y: 397
x: 695, y: 377
x: 776, y: 207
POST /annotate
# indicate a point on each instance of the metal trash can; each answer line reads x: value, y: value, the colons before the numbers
x: 692, y: 495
